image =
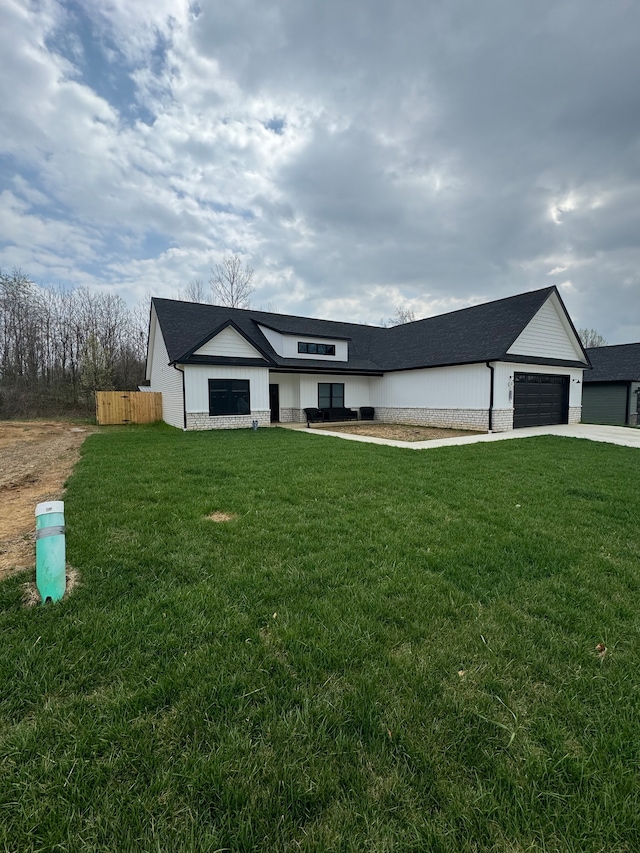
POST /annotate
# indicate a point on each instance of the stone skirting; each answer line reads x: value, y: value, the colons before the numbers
x: 203, y: 420
x: 292, y: 416
x: 473, y: 419
x: 501, y: 420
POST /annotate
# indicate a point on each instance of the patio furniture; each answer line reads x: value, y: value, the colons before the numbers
x: 314, y: 416
x: 340, y: 414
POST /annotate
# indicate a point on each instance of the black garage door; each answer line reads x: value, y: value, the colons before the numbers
x: 540, y: 400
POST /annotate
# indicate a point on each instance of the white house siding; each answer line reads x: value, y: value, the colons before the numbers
x: 287, y: 345
x: 503, y: 390
x: 165, y: 379
x: 289, y: 396
x: 548, y: 335
x: 274, y: 338
x: 357, y: 390
x: 230, y: 344
x: 197, y: 396
x: 453, y: 397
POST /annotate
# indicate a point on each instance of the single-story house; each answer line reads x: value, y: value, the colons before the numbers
x: 497, y: 366
x: 611, y: 392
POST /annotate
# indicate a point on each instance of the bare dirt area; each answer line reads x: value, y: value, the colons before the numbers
x: 35, y: 460
x: 398, y: 432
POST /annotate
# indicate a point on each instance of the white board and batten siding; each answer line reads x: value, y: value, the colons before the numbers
x: 289, y: 393
x: 287, y: 346
x: 165, y: 378
x: 357, y: 389
x: 503, y: 381
x: 548, y: 335
x: 228, y: 343
x: 460, y: 387
x: 196, y: 381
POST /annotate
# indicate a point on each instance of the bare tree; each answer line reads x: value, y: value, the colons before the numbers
x: 57, y: 346
x: 196, y: 291
x: 231, y: 283
x: 403, y: 314
x: 591, y: 338
x: 140, y: 326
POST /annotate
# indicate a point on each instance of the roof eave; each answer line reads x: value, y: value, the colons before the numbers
x: 506, y: 357
x: 346, y: 371
x: 558, y: 362
x: 304, y: 334
x: 593, y: 381
x: 231, y: 361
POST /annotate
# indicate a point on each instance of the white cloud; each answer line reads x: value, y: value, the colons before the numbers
x: 361, y: 155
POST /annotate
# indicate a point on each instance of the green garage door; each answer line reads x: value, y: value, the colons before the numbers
x: 540, y: 399
x: 604, y: 404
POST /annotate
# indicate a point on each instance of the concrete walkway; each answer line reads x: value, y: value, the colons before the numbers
x: 609, y: 434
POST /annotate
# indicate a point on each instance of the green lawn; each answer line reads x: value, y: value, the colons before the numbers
x: 386, y: 650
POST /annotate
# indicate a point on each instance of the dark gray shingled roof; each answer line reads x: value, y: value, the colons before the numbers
x: 480, y: 333
x: 187, y: 325
x: 477, y: 334
x: 619, y: 363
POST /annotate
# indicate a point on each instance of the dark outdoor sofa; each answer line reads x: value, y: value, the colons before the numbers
x: 340, y: 414
x: 315, y: 416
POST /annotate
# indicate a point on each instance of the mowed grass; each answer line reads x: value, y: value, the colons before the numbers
x: 385, y: 650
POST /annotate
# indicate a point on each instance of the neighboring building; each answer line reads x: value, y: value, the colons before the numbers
x: 612, y: 389
x: 502, y: 365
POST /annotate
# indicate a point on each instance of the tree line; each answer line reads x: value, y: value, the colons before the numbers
x: 57, y: 347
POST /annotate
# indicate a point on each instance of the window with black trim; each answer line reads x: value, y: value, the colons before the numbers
x: 316, y: 349
x: 229, y: 397
x: 330, y: 395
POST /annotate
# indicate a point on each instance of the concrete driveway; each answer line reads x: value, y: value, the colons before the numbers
x: 626, y: 436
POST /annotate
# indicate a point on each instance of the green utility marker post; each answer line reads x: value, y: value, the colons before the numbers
x: 51, y: 578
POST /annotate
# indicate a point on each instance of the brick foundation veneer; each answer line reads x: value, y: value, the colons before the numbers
x: 575, y: 414
x: 476, y: 419
x: 203, y: 420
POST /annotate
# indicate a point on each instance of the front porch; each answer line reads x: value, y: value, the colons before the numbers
x: 291, y: 395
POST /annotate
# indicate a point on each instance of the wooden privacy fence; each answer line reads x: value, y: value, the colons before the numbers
x: 128, y: 407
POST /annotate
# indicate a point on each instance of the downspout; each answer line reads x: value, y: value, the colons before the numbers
x: 184, y: 397
x: 627, y: 414
x: 492, y: 369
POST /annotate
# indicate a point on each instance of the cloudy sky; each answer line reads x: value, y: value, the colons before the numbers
x: 359, y: 154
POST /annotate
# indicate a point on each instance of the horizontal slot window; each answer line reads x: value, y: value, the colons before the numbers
x: 316, y: 349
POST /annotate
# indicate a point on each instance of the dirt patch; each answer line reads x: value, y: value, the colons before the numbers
x: 31, y: 596
x: 35, y: 461
x: 221, y: 516
x: 399, y: 432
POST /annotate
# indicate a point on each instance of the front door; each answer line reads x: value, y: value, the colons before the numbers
x: 274, y: 403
